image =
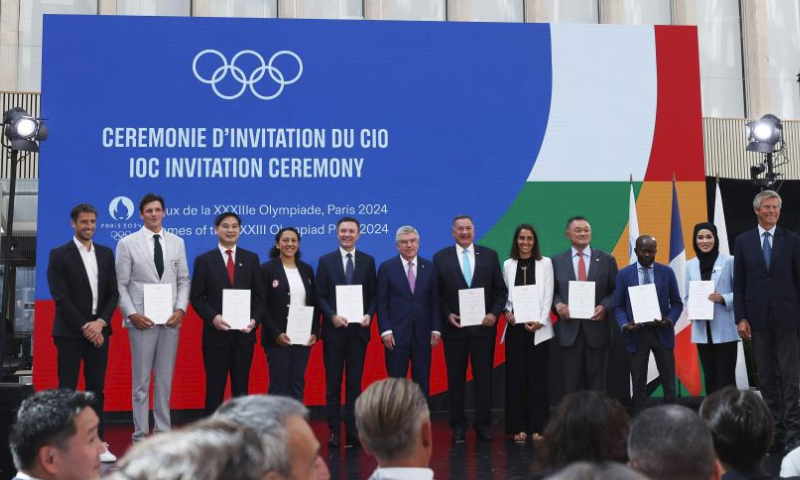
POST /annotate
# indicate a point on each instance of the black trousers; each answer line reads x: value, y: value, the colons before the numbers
x: 665, y: 362
x: 71, y: 351
x: 219, y: 362
x: 480, y: 352
x: 397, y: 361
x: 778, y: 350
x: 719, y: 364
x: 527, y: 397
x: 287, y: 370
x: 345, y: 354
x: 585, y: 367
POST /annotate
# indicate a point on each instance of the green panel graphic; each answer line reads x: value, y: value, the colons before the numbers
x: 548, y: 205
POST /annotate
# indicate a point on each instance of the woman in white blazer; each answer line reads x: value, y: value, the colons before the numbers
x: 526, y: 339
x: 716, y: 339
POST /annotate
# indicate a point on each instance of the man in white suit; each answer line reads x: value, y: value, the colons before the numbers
x: 151, y: 256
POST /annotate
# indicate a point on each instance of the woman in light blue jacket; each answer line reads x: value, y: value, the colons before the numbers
x: 716, y: 339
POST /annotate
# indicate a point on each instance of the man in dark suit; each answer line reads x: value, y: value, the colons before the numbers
x: 344, y: 339
x: 226, y: 350
x: 766, y: 302
x: 460, y: 267
x: 55, y: 437
x: 408, y: 310
x: 584, y: 341
x: 644, y: 335
x: 83, y: 283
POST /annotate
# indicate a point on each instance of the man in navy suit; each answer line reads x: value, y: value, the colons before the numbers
x: 55, y: 437
x: 460, y: 267
x: 766, y: 302
x: 408, y: 310
x: 644, y: 335
x: 83, y: 283
x: 344, y: 339
x: 226, y: 350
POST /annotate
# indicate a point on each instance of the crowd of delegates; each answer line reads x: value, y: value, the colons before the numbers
x: 417, y: 302
x: 267, y: 437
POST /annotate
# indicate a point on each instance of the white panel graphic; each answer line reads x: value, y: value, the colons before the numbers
x: 603, y: 109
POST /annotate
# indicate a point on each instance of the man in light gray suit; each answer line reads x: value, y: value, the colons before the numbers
x: 584, y: 341
x: 151, y: 256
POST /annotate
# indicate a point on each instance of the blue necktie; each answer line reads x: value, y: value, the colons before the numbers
x: 646, y: 276
x: 767, y: 248
x: 349, y: 269
x: 466, y: 270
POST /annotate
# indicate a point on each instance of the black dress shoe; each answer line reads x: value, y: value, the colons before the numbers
x: 334, y: 440
x: 351, y: 441
x: 484, y: 435
x: 459, y: 436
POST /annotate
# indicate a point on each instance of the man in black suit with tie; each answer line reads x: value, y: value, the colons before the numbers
x: 408, y: 310
x: 766, y: 302
x: 226, y: 349
x: 344, y: 339
x: 83, y: 283
x: 584, y: 341
x: 55, y: 437
x: 460, y: 267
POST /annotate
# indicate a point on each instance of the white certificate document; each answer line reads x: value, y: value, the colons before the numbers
x: 471, y: 306
x: 527, y: 304
x: 236, y: 308
x: 158, y: 302
x: 581, y: 299
x: 700, y: 307
x: 350, y: 303
x: 644, y: 303
x: 299, y: 323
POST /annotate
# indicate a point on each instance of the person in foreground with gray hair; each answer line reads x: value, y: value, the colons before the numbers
x: 671, y: 442
x: 597, y: 471
x: 290, y: 448
x: 207, y: 450
x: 394, y: 426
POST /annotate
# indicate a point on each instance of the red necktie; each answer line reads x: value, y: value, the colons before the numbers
x: 581, y: 268
x: 230, y: 265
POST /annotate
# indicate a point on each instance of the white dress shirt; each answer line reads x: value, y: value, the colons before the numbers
x: 761, y: 235
x: 344, y: 253
x: 587, y: 252
x: 224, y: 252
x: 162, y: 239
x: 89, y: 258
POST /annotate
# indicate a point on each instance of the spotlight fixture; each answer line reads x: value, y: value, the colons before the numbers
x: 765, y: 135
x: 23, y: 130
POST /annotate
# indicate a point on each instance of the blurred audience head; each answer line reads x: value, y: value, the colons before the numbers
x: 588, y: 426
x: 290, y: 447
x: 207, y: 450
x: 55, y: 436
x: 394, y: 423
x: 671, y: 442
x: 741, y: 426
x: 597, y: 471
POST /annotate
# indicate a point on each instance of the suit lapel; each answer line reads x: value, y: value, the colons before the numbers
x: 75, y: 256
x: 144, y: 251
x: 777, y: 244
x: 457, y: 266
x: 339, y: 267
x: 566, y: 259
x: 594, y: 265
x: 222, y: 269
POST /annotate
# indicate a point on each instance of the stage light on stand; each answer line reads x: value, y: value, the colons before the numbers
x: 21, y: 132
x: 765, y: 136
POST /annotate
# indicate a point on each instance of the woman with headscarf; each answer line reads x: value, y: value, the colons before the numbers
x: 716, y: 338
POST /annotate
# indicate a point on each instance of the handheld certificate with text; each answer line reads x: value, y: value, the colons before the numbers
x: 236, y: 308
x: 350, y: 302
x: 471, y: 307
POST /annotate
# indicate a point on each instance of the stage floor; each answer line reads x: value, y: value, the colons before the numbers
x: 500, y: 459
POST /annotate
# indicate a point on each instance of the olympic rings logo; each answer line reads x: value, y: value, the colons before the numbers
x: 238, y: 74
x: 118, y: 235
